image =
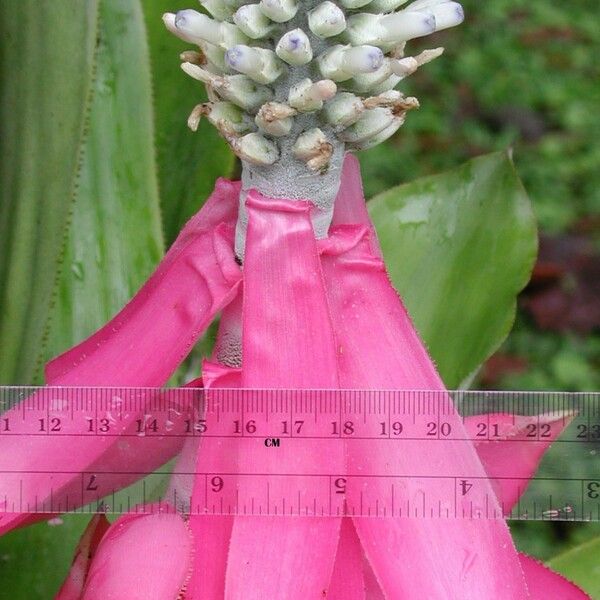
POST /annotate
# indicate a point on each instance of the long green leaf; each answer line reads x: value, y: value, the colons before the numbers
x: 115, y: 239
x: 113, y: 243
x: 46, y: 64
x: 189, y: 163
x: 459, y: 247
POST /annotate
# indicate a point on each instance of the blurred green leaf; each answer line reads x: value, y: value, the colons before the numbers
x: 34, y: 561
x: 46, y: 64
x: 113, y: 243
x: 459, y: 247
x: 115, y: 239
x: 188, y: 163
x: 581, y: 565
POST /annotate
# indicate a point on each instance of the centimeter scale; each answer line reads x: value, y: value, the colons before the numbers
x: 316, y: 453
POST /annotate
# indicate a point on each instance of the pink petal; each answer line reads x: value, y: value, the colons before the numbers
x: 145, y: 557
x: 372, y: 587
x: 212, y: 533
x: 545, y: 584
x: 84, y: 553
x: 512, y: 454
x: 287, y: 342
x: 195, y: 280
x: 350, y: 206
x: 380, y: 349
x: 347, y: 580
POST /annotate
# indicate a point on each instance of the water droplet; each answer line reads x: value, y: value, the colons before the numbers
x: 77, y: 269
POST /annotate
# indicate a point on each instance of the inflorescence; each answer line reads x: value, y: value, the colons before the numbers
x: 269, y: 64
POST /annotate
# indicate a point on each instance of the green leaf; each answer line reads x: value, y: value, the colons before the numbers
x: 113, y: 243
x: 581, y: 565
x: 188, y: 163
x: 114, y: 240
x: 35, y: 561
x: 459, y: 247
x: 46, y: 65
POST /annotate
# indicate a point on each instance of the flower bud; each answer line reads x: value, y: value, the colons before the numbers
x: 228, y: 117
x: 239, y: 89
x: 218, y: 9
x: 364, y: 82
x: 198, y: 28
x: 342, y: 62
x: 259, y: 64
x: 385, y: 6
x: 306, y: 96
x: 370, y: 123
x: 388, y: 30
x: 313, y: 148
x: 353, y: 4
x: 378, y: 138
x: 255, y: 149
x: 275, y: 118
x: 294, y: 48
x: 447, y: 14
x: 343, y: 110
x: 279, y: 11
x: 252, y: 21
x: 326, y: 20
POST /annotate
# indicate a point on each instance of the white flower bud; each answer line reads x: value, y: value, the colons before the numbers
x: 259, y: 64
x: 228, y: 117
x: 385, y: 6
x: 447, y: 14
x: 255, y: 149
x: 218, y: 9
x: 343, y: 110
x: 313, y: 148
x: 252, y: 21
x: 279, y: 11
x: 383, y: 135
x: 198, y: 28
x: 388, y: 30
x: 239, y: 89
x: 342, y: 62
x: 234, y: 4
x: 326, y: 20
x: 275, y: 118
x: 294, y: 48
x: 306, y: 96
x: 352, y: 4
x: 169, y: 21
x: 370, y: 123
x: 215, y: 56
x: 364, y: 82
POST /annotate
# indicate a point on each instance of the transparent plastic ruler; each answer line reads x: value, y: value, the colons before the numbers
x: 319, y: 453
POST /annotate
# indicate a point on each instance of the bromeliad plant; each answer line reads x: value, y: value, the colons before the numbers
x: 291, y: 260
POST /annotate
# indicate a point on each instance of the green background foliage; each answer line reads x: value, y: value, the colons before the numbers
x: 98, y: 172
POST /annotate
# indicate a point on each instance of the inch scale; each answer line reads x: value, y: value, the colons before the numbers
x: 318, y: 453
